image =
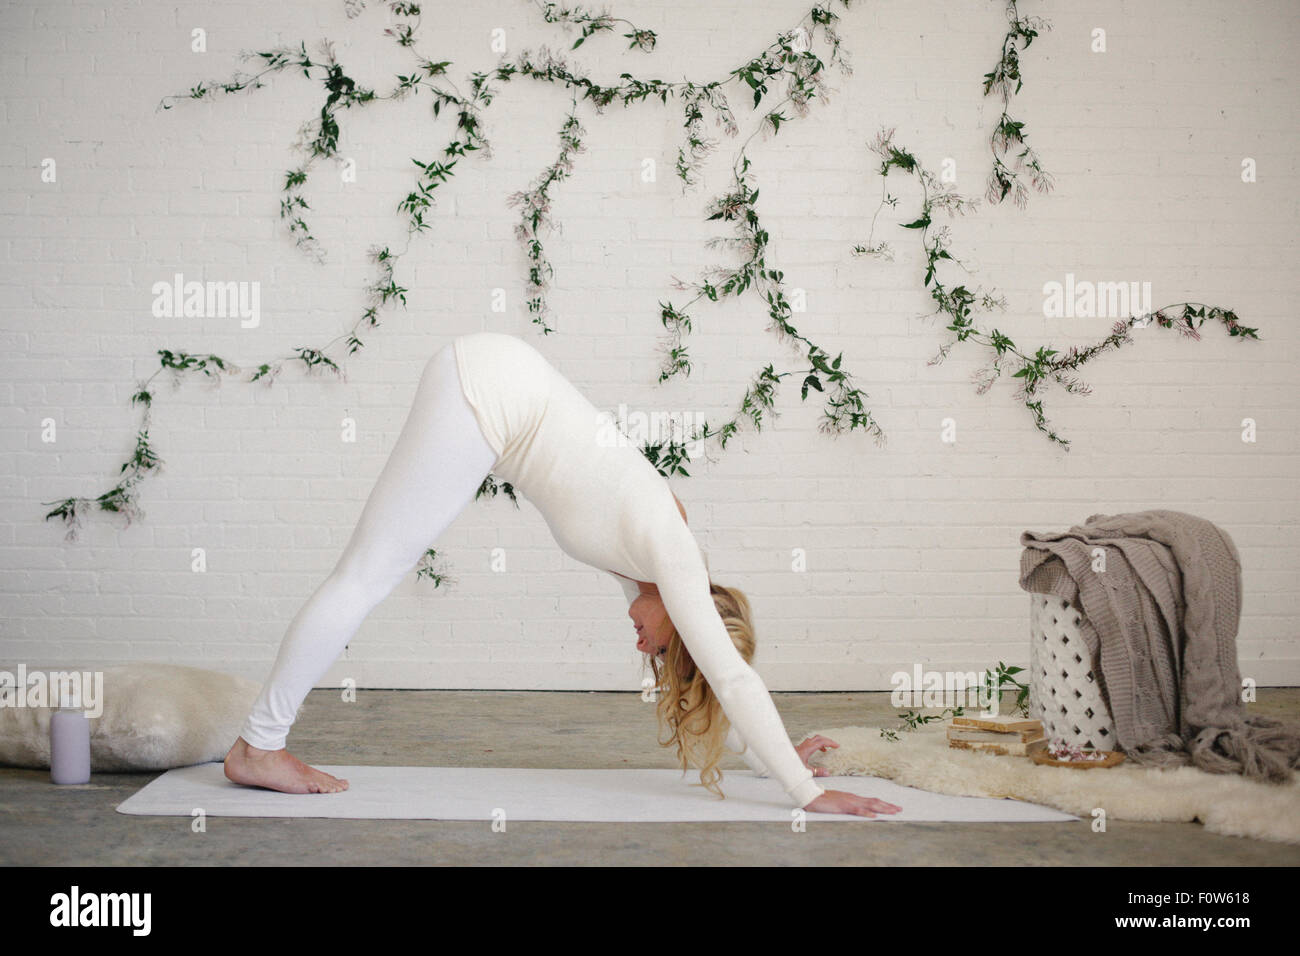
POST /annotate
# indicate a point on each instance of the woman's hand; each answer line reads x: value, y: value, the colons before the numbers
x: 839, y: 801
x: 815, y: 744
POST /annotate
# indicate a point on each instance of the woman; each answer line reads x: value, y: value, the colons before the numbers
x: 490, y: 402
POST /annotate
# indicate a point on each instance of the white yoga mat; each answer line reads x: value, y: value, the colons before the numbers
x: 597, y: 796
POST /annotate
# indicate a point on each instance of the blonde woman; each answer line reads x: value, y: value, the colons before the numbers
x: 489, y: 402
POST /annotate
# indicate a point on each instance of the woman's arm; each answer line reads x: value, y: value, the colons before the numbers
x: 752, y: 708
x: 630, y: 587
x: 683, y: 583
x: 737, y: 744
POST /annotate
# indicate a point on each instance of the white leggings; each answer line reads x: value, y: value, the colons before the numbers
x: 433, y: 472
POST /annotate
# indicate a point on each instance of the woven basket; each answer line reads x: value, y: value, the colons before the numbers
x: 1063, y: 691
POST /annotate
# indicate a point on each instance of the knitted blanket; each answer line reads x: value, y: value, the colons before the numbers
x: 1161, y: 597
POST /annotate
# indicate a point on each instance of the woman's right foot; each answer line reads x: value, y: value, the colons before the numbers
x: 277, y: 770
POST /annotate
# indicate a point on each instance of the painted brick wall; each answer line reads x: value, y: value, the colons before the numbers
x: 909, y: 552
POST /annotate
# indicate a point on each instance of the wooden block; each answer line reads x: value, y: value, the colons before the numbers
x: 1012, y: 748
x: 1000, y: 724
x: 994, y: 736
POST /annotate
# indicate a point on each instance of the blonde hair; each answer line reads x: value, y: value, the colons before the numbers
x: 688, y: 708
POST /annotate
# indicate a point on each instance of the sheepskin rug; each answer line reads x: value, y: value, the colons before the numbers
x: 155, y: 717
x: 1225, y: 803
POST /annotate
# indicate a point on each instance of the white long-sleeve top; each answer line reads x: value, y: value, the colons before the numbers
x: 607, y: 507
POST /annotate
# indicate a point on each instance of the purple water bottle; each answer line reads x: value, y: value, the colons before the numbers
x: 69, y: 747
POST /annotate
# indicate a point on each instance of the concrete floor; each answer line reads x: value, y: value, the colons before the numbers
x: 41, y: 824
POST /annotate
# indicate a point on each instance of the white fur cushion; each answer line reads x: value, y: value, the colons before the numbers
x: 155, y: 717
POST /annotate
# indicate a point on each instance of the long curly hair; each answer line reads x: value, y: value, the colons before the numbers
x: 687, y: 707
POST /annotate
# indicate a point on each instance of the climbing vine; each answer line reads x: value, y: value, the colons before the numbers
x: 788, y: 60
x: 317, y: 138
x: 535, y: 217
x: 591, y: 23
x: 1035, y: 370
x: 844, y: 409
x: 1005, y: 179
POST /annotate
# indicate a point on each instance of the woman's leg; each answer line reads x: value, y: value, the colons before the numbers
x: 433, y: 472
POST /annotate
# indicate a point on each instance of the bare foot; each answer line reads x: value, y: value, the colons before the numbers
x: 277, y: 770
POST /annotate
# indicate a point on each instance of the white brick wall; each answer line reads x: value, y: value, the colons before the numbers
x: 912, y: 549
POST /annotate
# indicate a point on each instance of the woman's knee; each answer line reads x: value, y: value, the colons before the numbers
x: 365, y: 579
